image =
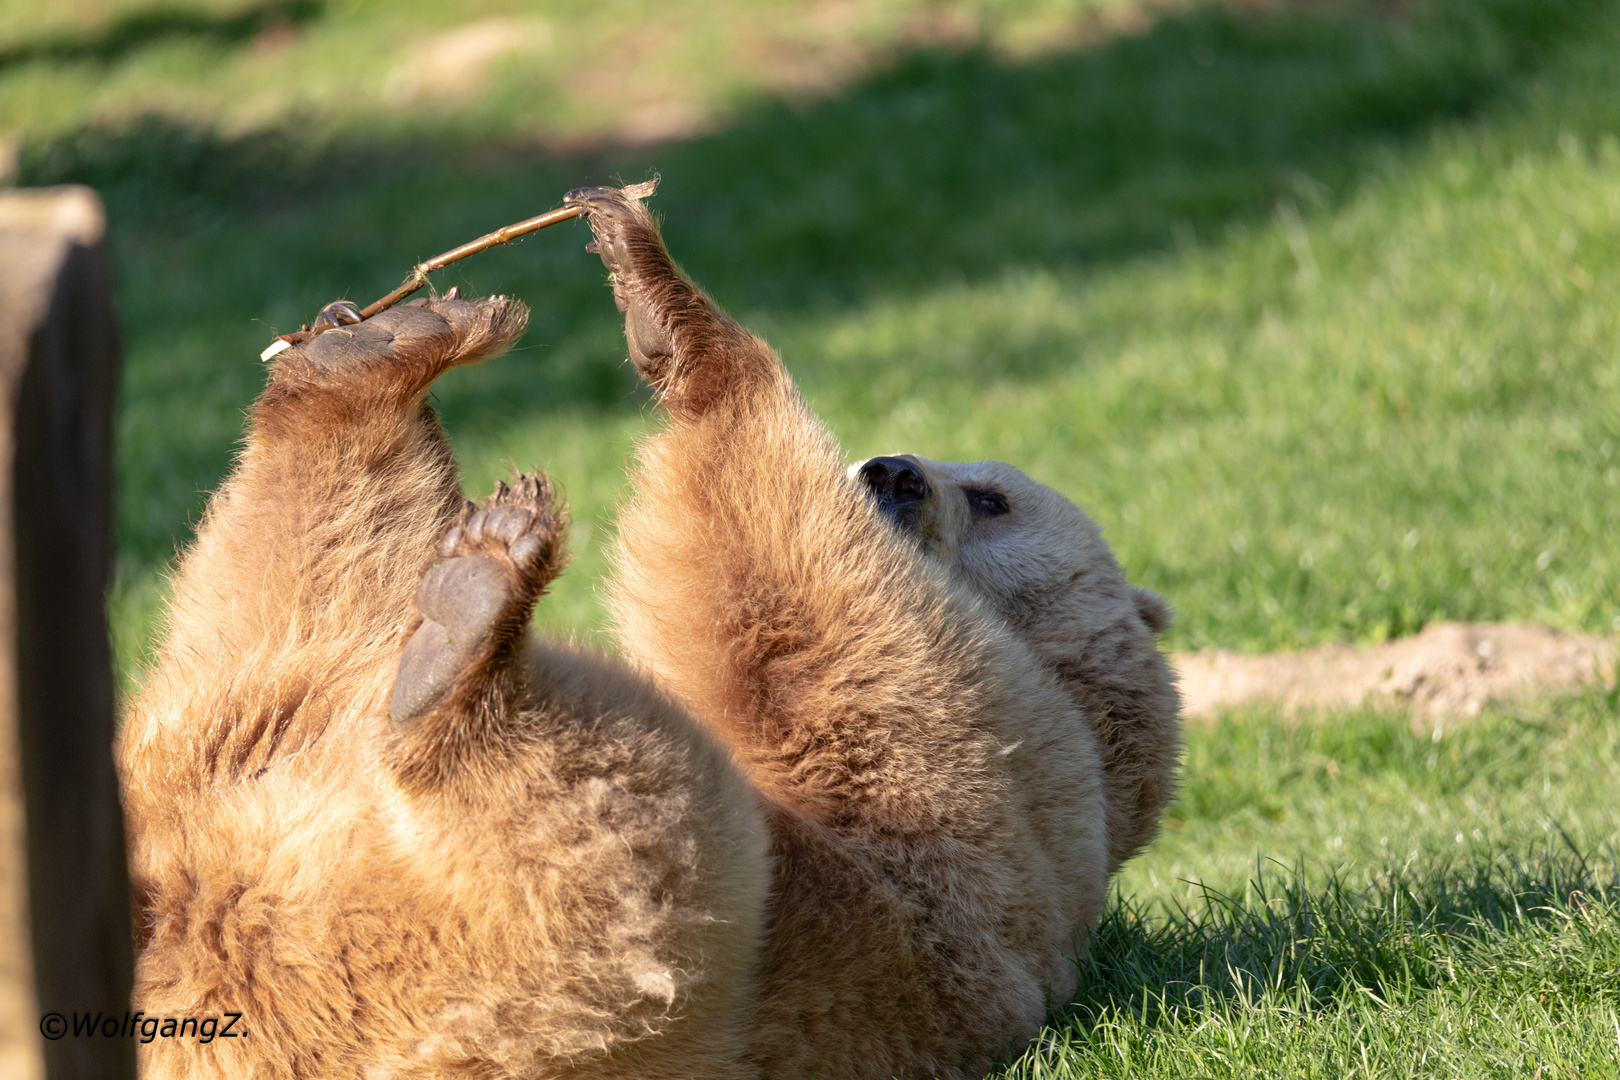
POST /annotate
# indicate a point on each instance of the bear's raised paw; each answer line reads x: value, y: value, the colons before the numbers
x: 681, y: 343
x: 395, y: 354
x: 476, y: 599
x: 647, y: 288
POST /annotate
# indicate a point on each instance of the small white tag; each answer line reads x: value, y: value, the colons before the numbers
x: 276, y: 348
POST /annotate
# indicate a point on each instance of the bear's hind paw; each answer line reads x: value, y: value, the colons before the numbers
x: 476, y: 599
x: 402, y: 348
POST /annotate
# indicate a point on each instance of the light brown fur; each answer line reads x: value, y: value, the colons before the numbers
x: 1044, y: 568
x: 841, y: 814
x: 580, y: 896
x: 938, y: 804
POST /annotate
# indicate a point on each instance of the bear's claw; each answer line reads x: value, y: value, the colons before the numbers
x: 338, y: 313
x: 522, y: 526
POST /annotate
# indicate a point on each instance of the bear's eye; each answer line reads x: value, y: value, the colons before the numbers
x: 986, y: 503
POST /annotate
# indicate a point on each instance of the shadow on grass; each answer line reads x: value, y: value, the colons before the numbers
x: 946, y: 166
x: 141, y: 29
x: 1305, y: 947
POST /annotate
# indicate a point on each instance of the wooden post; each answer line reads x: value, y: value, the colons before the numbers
x: 65, y: 942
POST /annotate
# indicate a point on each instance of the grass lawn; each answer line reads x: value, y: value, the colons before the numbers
x: 1313, y: 311
x: 1313, y: 306
x: 1449, y: 907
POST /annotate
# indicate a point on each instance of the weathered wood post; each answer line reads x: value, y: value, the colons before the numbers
x: 64, y: 892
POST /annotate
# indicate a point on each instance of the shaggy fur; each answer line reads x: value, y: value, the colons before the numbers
x: 925, y: 732
x: 1042, y: 565
x: 533, y: 874
x: 843, y: 811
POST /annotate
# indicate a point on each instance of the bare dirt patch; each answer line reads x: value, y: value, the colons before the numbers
x: 1450, y: 670
x: 642, y: 96
x: 455, y: 64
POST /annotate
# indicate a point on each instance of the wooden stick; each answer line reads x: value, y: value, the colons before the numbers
x: 419, y: 273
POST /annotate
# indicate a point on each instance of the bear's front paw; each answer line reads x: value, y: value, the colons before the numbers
x: 650, y: 292
x: 617, y: 219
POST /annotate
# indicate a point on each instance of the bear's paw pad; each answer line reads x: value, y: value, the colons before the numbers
x: 493, y: 563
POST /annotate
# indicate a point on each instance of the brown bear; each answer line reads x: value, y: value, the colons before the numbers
x: 841, y: 810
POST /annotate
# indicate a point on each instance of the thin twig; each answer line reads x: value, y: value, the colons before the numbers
x: 419, y: 273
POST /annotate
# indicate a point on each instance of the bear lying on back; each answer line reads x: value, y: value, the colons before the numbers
x: 847, y: 807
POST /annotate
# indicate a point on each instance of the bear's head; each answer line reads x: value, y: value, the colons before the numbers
x: 1040, y: 562
x: 1020, y: 545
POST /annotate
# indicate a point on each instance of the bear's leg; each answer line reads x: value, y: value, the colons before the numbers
x: 760, y: 582
x: 306, y: 562
x: 345, y: 483
x: 752, y: 575
x: 460, y: 675
x: 887, y: 718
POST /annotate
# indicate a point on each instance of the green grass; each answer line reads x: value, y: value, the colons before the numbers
x: 1452, y: 907
x: 1313, y: 311
x: 558, y: 70
x: 1314, y: 308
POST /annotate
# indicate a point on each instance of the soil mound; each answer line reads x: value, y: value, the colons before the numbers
x: 1450, y: 670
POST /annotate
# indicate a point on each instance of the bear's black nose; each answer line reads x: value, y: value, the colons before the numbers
x: 896, y: 482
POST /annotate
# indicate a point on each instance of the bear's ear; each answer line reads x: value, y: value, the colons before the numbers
x: 1153, y: 609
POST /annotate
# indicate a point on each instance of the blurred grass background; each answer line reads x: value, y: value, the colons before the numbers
x: 1312, y: 305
